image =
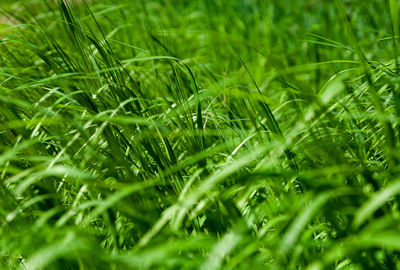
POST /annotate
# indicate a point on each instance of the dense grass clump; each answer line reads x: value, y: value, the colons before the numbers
x: 157, y: 134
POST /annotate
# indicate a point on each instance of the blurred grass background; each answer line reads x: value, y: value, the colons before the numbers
x: 199, y: 134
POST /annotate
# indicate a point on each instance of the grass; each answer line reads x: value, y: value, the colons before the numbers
x: 199, y: 134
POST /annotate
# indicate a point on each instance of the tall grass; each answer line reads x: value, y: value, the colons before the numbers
x: 199, y: 134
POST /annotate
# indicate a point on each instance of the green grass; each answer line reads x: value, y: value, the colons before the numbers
x: 246, y: 134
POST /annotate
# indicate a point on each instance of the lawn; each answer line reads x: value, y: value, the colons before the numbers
x: 199, y: 134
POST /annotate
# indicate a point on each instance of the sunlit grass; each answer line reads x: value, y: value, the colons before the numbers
x: 199, y: 134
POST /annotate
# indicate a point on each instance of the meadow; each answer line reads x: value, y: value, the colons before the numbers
x: 209, y: 134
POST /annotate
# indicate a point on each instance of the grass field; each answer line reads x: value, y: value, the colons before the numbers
x: 209, y: 134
